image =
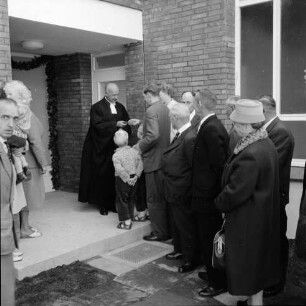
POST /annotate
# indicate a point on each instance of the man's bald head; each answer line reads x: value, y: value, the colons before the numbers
x: 188, y: 99
x: 112, y: 92
x: 179, y: 115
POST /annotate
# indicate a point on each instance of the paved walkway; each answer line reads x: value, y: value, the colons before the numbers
x: 76, y: 231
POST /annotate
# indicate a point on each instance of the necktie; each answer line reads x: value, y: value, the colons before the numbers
x: 175, y: 137
x: 9, y: 152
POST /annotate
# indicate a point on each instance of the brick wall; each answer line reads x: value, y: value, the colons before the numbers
x: 74, y: 101
x: 134, y: 71
x: 5, y: 50
x: 190, y: 44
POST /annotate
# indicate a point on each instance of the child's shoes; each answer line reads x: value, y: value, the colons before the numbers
x: 20, y: 177
x: 27, y: 173
x: 123, y: 225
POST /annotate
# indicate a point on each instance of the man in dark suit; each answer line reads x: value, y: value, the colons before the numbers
x: 177, y: 169
x: 210, y: 154
x: 97, y: 180
x: 188, y: 98
x: 284, y: 144
x: 8, y: 118
x: 156, y: 134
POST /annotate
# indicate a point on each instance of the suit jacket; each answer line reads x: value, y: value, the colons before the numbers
x: 284, y: 144
x: 177, y: 167
x: 8, y: 236
x: 210, y: 154
x: 195, y: 121
x: 156, y: 136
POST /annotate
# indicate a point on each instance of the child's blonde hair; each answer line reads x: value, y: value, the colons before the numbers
x: 121, y: 138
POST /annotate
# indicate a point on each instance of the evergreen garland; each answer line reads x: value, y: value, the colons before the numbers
x: 49, y: 61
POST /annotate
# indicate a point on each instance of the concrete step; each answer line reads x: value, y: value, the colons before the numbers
x: 71, y: 231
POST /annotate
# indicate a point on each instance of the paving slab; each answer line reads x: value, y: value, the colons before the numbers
x: 167, y: 298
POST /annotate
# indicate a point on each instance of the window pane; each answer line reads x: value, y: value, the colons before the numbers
x: 293, y: 57
x: 256, y: 50
x: 110, y: 61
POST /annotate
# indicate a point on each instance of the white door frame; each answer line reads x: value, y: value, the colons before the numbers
x: 104, y: 75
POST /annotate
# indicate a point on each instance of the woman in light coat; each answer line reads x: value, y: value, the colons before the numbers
x: 34, y: 189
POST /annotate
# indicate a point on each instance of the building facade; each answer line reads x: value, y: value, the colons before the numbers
x: 242, y: 47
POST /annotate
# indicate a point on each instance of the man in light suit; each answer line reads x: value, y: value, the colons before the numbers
x: 284, y: 143
x: 177, y: 169
x: 188, y: 98
x: 210, y: 154
x: 8, y: 117
x: 156, y: 134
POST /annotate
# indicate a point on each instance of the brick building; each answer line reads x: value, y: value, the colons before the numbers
x: 245, y: 47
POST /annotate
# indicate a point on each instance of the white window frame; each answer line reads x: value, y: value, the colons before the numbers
x: 276, y: 75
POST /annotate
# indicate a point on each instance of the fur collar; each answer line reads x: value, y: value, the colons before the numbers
x: 249, y: 139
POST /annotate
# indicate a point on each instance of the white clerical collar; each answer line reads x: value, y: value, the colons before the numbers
x: 192, y: 115
x: 112, y: 106
x: 184, y: 128
x: 204, y: 119
x: 268, y: 123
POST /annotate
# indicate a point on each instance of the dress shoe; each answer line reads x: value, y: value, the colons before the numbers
x: 274, y: 290
x: 104, y: 211
x: 210, y: 291
x: 152, y: 237
x: 203, y: 276
x: 174, y: 256
x: 186, y: 267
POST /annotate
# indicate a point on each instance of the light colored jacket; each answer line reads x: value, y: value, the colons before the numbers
x: 8, y: 235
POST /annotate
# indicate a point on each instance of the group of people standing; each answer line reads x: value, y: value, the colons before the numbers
x: 22, y: 165
x: 198, y: 177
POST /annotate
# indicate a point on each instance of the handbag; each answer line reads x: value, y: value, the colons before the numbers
x: 218, y: 254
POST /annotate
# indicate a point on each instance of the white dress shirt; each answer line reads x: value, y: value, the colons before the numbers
x: 268, y: 123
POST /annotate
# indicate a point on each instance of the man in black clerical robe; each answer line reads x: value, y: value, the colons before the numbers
x: 97, y: 180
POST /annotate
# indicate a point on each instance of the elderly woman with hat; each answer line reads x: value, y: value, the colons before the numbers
x: 249, y: 200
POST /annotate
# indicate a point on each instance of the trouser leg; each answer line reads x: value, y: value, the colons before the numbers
x: 123, y: 192
x: 157, y: 205
x: 7, y: 280
x: 208, y: 225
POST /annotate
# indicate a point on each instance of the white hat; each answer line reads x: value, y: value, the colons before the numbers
x: 248, y: 111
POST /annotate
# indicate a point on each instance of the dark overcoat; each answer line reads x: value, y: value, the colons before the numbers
x: 250, y: 201
x: 284, y: 143
x: 210, y: 154
x: 97, y: 180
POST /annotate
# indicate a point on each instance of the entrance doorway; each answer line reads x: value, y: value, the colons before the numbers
x: 108, y: 68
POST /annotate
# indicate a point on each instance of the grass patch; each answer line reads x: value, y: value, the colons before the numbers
x: 59, y: 283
